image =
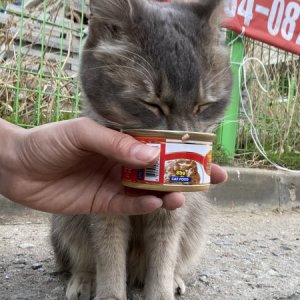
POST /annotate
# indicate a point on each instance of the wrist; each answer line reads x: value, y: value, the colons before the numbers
x: 9, y: 140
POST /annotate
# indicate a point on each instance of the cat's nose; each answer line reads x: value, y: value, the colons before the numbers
x: 178, y: 124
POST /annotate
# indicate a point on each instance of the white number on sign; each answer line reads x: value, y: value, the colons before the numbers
x: 230, y: 8
x: 246, y: 10
x: 276, y: 16
x: 292, y: 14
x: 298, y: 40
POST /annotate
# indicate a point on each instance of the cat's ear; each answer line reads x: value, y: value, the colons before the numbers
x: 205, y: 9
x: 118, y: 12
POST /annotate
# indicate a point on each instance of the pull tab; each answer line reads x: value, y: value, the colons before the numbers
x: 185, y: 137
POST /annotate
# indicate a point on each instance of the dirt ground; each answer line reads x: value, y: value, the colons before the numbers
x: 249, y: 255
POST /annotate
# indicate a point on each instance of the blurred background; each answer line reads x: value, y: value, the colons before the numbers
x: 40, y: 44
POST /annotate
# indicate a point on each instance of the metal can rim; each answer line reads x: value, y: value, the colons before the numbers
x: 166, y: 187
x: 192, y: 136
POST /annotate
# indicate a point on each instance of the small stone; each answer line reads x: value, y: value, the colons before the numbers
x: 19, y: 266
x: 20, y: 261
x: 262, y: 246
x: 204, y: 279
x: 26, y: 246
x: 57, y: 290
x: 223, y: 243
x: 273, y: 272
x: 36, y: 266
x: 204, y: 274
x: 42, y: 270
x: 285, y: 247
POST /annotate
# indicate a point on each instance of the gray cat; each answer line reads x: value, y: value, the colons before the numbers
x: 145, y: 65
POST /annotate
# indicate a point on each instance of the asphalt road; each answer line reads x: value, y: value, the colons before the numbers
x: 249, y: 255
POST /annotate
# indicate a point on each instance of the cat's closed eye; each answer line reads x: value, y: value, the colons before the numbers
x: 160, y: 109
x: 154, y: 107
x: 199, y: 108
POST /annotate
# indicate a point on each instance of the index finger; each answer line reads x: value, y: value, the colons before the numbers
x: 218, y: 174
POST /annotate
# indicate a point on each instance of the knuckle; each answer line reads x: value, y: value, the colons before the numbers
x: 121, y: 144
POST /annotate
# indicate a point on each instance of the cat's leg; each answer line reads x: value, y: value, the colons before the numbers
x: 73, y: 250
x: 110, y: 239
x: 81, y: 286
x: 162, y: 237
x: 192, y: 238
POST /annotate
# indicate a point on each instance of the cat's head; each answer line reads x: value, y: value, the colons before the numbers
x: 155, y: 65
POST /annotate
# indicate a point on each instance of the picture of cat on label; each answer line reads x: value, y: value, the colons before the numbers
x: 182, y: 170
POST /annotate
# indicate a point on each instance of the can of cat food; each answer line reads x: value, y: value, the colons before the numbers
x: 184, y: 164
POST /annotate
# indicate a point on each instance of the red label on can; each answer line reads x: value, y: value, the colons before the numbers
x: 180, y: 163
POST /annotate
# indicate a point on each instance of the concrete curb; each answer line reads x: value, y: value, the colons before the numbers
x: 245, y: 189
x: 250, y: 188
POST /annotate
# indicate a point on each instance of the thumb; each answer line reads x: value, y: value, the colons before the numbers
x: 91, y: 136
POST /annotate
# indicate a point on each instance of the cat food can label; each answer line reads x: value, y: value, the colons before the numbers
x: 184, y: 163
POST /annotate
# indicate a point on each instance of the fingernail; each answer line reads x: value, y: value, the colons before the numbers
x: 145, y: 153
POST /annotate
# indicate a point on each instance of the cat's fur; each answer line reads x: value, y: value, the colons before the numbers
x: 145, y: 65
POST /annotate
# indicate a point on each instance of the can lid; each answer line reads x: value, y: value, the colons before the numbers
x: 169, y: 134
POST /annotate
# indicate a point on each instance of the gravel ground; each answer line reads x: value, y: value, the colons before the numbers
x: 249, y: 255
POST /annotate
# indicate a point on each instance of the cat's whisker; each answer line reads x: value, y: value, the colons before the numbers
x: 133, y: 53
x: 217, y: 76
x: 115, y: 3
x: 119, y: 66
x: 220, y: 125
x: 139, y: 56
x: 213, y: 82
x: 220, y: 73
x: 225, y: 70
x: 103, y: 19
x: 110, y: 123
x: 135, y: 62
x: 111, y: 3
x: 113, y: 124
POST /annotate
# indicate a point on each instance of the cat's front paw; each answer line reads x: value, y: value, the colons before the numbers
x: 97, y: 298
x: 100, y: 298
x: 81, y: 287
x: 159, y: 295
x: 179, y: 286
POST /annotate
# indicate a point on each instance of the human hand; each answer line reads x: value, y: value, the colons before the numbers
x: 73, y: 167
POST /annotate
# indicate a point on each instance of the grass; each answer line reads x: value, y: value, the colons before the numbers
x: 221, y: 157
x: 289, y: 160
x: 253, y: 159
x: 3, y: 3
x: 33, y: 90
x: 275, y: 113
